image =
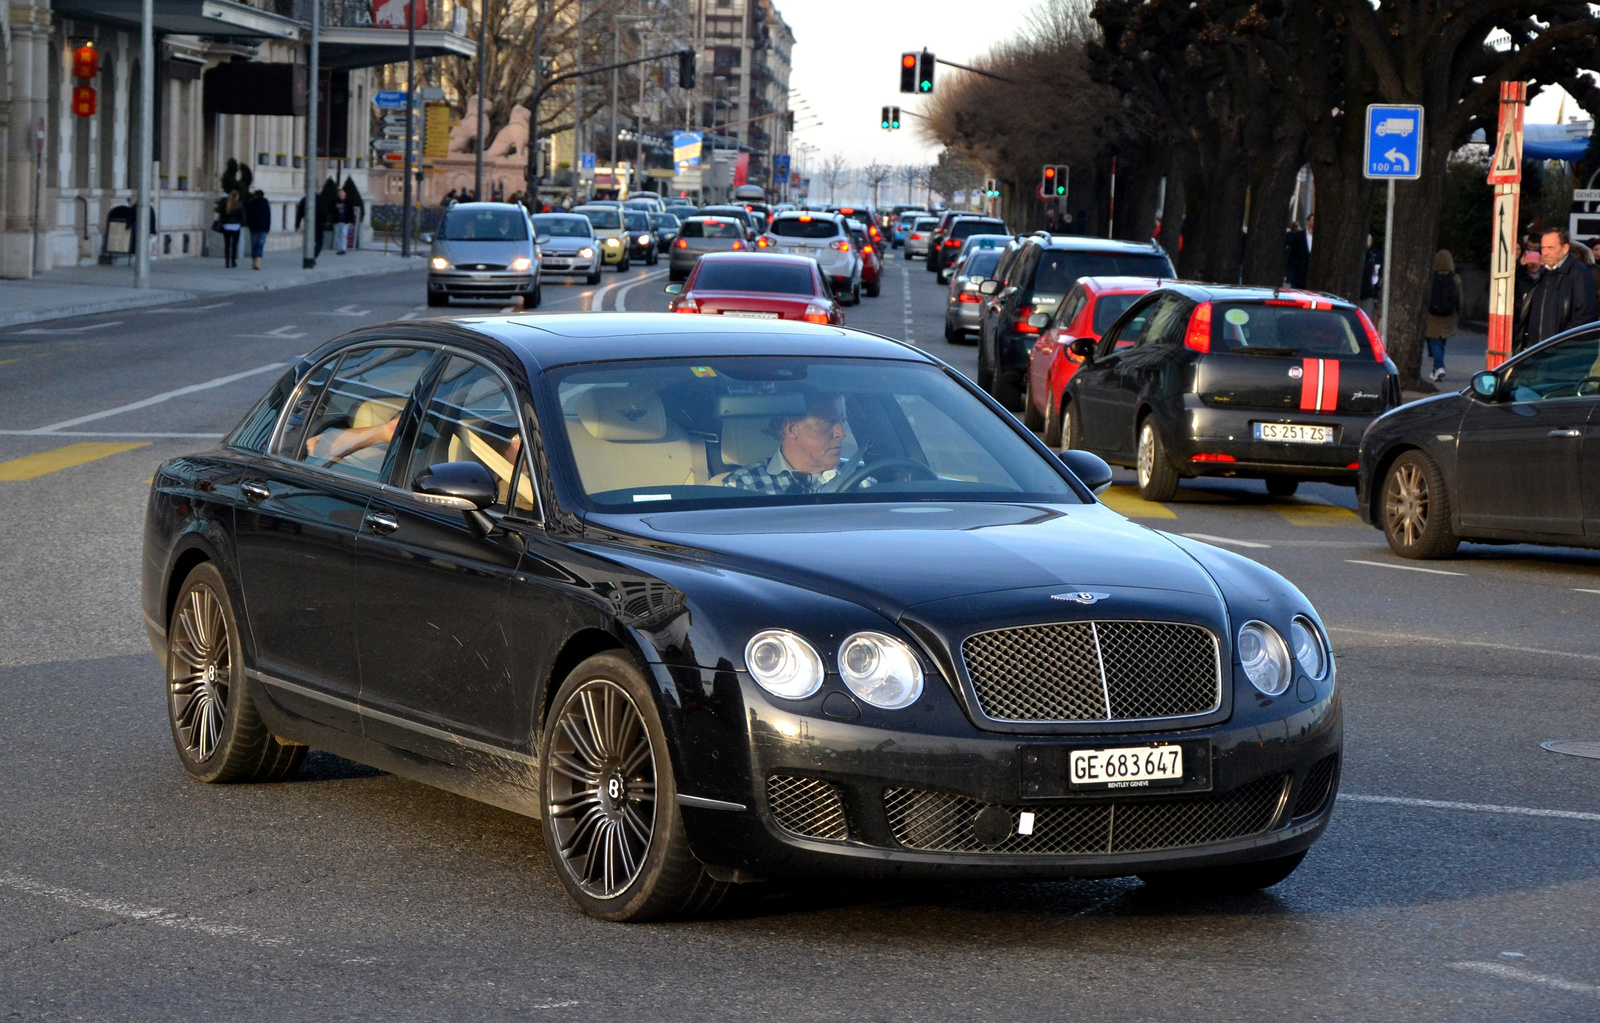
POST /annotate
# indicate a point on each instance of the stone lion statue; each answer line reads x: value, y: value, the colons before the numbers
x: 462, y: 134
x: 513, y: 138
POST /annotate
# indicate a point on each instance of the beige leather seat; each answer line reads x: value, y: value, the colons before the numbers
x: 622, y: 439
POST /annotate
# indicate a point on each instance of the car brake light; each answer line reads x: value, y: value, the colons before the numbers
x: 686, y: 304
x: 951, y: 241
x: 1206, y: 456
x: 682, y: 243
x: 841, y: 244
x: 1372, y: 336
x: 816, y: 314
x: 1198, y: 336
x: 805, y: 219
x: 738, y: 246
x: 968, y: 296
x: 764, y: 242
x: 1023, y: 326
x: 1353, y: 465
x: 866, y: 248
x: 916, y: 237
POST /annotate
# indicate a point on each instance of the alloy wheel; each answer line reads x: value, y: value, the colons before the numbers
x: 1405, y: 503
x: 1147, y: 453
x: 602, y: 788
x: 200, y: 673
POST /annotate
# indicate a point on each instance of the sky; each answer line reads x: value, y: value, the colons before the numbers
x: 846, y: 67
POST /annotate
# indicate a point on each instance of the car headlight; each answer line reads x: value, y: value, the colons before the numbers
x: 585, y: 253
x: 1265, y: 657
x: 783, y: 664
x: 881, y: 670
x: 644, y: 239
x: 613, y: 242
x: 521, y: 263
x: 439, y: 263
x: 1310, y: 649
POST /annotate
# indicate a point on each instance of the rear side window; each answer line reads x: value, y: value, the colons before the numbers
x: 255, y: 429
x: 1060, y: 269
x: 1108, y: 307
x: 805, y: 227
x: 1287, y: 329
x: 754, y: 275
x: 710, y: 229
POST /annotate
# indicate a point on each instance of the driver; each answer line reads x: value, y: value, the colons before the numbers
x: 807, y: 459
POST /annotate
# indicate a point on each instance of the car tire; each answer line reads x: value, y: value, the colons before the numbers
x: 874, y: 288
x: 985, y: 367
x: 438, y: 299
x: 1071, y: 432
x: 1032, y: 415
x: 532, y: 299
x: 596, y: 803
x: 215, y: 726
x: 1007, y: 390
x: 624, y: 266
x: 1158, y: 480
x: 1414, y: 509
x: 1282, y: 486
x: 1240, y: 879
x: 1052, y: 422
x: 594, y: 278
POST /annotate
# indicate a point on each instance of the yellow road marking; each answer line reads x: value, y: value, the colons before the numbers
x: 45, y: 462
x: 1126, y: 500
x: 7, y: 362
x: 1316, y: 515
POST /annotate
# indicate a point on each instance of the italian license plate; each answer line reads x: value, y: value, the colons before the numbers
x: 1294, y: 433
x: 745, y: 315
x: 1126, y: 767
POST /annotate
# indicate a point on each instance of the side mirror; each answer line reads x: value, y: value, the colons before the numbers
x: 1083, y: 348
x: 464, y: 486
x: 988, y: 287
x: 675, y: 288
x: 1039, y: 320
x: 1088, y: 467
x: 1486, y: 385
x: 543, y: 239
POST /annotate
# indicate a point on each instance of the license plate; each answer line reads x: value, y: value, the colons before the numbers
x: 1126, y: 767
x: 751, y: 315
x: 482, y: 277
x: 1294, y: 433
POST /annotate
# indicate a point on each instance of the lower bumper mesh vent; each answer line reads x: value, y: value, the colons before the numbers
x: 1314, y: 791
x: 807, y: 807
x: 939, y: 822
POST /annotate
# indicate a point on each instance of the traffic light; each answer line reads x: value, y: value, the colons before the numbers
x: 925, y: 72
x: 885, y: 119
x: 1047, y: 186
x: 788, y: 120
x: 1061, y: 180
x: 894, y: 118
x: 686, y: 68
x: 908, y: 72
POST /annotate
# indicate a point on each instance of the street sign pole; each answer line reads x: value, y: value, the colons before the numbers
x: 147, y: 105
x: 1505, y: 174
x: 312, y: 226
x: 411, y: 126
x: 1388, y: 252
x: 1393, y: 153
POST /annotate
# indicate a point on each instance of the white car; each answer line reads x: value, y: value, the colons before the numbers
x: 824, y: 237
x: 921, y: 233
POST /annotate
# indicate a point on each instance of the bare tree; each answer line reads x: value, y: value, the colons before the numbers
x: 877, y: 174
x: 835, y: 169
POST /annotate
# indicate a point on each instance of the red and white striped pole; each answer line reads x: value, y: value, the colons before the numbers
x: 1505, y: 174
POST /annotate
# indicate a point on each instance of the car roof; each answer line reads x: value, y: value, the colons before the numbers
x: 1201, y: 292
x: 489, y: 206
x: 715, y: 216
x: 546, y: 340
x: 756, y: 257
x: 1116, y: 284
x: 1080, y: 243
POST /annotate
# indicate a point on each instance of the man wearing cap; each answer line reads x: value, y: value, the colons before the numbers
x: 808, y: 455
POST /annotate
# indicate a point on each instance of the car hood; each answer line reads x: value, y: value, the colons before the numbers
x: 566, y: 246
x: 935, y: 557
x: 499, y: 253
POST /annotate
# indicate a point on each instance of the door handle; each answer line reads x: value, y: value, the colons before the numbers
x: 1566, y: 433
x: 381, y: 523
x: 255, y: 491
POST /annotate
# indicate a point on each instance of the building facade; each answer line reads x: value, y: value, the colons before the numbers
x: 744, y: 80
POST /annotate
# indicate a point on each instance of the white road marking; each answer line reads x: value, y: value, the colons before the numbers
x: 1403, y: 568
x: 1400, y: 637
x: 157, y: 399
x: 285, y: 332
x: 69, y: 330
x: 905, y: 278
x: 186, y: 309
x: 408, y: 316
x: 346, y: 310
x: 1208, y: 538
x: 1505, y: 972
x: 1444, y: 804
x: 621, y: 304
x: 1580, y: 589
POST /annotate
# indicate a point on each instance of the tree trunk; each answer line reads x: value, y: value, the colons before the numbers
x: 1416, y: 226
x: 1138, y: 187
x: 1173, y: 208
x: 1271, y: 188
x: 1218, y: 239
x: 1344, y: 214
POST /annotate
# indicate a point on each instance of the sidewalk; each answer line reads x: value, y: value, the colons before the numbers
x: 84, y: 290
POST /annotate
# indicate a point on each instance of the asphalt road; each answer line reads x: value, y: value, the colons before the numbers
x: 1459, y: 879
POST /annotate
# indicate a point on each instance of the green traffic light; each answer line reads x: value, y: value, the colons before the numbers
x: 925, y: 85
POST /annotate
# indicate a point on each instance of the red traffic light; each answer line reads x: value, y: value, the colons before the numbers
x: 1049, y: 172
x: 908, y: 60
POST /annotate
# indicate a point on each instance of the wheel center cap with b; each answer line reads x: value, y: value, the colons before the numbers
x: 613, y: 792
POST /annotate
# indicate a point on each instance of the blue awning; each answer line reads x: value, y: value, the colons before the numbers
x: 1554, y: 149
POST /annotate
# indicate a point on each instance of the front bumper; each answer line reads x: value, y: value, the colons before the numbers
x: 480, y: 284
x: 1225, y: 431
x: 610, y: 254
x: 905, y: 803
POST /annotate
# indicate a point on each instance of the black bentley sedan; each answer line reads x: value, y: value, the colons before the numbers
x: 1218, y: 380
x: 725, y: 601
x: 1513, y: 458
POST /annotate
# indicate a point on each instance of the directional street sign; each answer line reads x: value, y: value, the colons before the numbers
x: 389, y: 99
x: 1394, y: 141
x: 388, y: 145
x: 586, y: 162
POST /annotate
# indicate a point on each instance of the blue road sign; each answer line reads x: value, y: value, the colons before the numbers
x: 389, y: 99
x: 1394, y: 141
x: 586, y: 161
x: 780, y: 166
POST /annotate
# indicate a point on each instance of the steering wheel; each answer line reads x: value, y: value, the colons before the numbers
x: 1592, y: 383
x: 915, y: 468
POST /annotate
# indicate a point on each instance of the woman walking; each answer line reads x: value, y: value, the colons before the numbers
x: 232, y: 223
x: 259, y: 216
x: 1444, y: 309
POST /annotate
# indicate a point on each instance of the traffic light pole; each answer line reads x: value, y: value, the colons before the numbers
x: 974, y: 70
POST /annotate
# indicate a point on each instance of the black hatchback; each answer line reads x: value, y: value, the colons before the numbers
x: 1214, y: 380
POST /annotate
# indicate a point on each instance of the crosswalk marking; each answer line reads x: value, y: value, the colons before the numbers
x: 45, y: 462
x: 1125, y: 500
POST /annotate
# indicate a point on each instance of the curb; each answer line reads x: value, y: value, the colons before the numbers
x: 110, y: 305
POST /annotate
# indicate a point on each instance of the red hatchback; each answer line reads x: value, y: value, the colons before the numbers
x: 756, y: 286
x: 871, y: 259
x: 1093, y: 304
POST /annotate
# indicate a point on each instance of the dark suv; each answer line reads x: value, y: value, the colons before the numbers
x: 1034, y: 274
x: 1223, y: 380
x: 947, y: 244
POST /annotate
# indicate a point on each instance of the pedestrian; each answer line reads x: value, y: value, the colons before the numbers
x: 232, y: 223
x: 1564, y: 297
x: 449, y: 199
x: 1444, y: 309
x: 258, y: 217
x: 343, y: 215
x: 1371, y: 277
x: 1052, y: 221
x: 1529, y: 269
x: 1297, y: 252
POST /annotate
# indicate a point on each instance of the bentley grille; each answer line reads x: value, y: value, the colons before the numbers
x: 1094, y: 671
x: 807, y: 807
x: 940, y: 822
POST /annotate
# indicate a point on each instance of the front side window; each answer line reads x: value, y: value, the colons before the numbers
x: 1126, y: 333
x: 349, y: 427
x: 785, y: 430
x: 1566, y: 369
x: 483, y: 225
x: 472, y: 417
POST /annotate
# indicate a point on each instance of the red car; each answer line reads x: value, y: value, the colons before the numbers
x: 756, y: 286
x: 871, y: 258
x: 1088, y: 309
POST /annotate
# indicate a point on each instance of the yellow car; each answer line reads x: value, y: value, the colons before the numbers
x: 610, y: 233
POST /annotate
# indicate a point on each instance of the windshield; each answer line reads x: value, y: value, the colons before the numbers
x: 1287, y: 329
x: 604, y: 219
x: 484, y: 225
x: 777, y: 431
x: 754, y: 274
x: 804, y: 227
x: 663, y: 220
x: 637, y: 220
x: 710, y: 229
x: 1059, y: 270
x: 982, y: 263
x: 563, y: 227
x: 1108, y: 307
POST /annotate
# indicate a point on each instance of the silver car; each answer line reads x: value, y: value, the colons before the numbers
x: 825, y: 237
x: 921, y: 233
x: 569, y: 246
x: 484, y: 251
x: 700, y: 235
x: 963, y: 307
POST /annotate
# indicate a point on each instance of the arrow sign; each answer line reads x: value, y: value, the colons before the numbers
x: 388, y: 145
x: 389, y: 99
x: 1402, y: 160
x: 1394, y: 141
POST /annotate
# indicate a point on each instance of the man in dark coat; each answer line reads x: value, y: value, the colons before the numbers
x: 258, y: 217
x: 1297, y: 253
x: 1565, y: 295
